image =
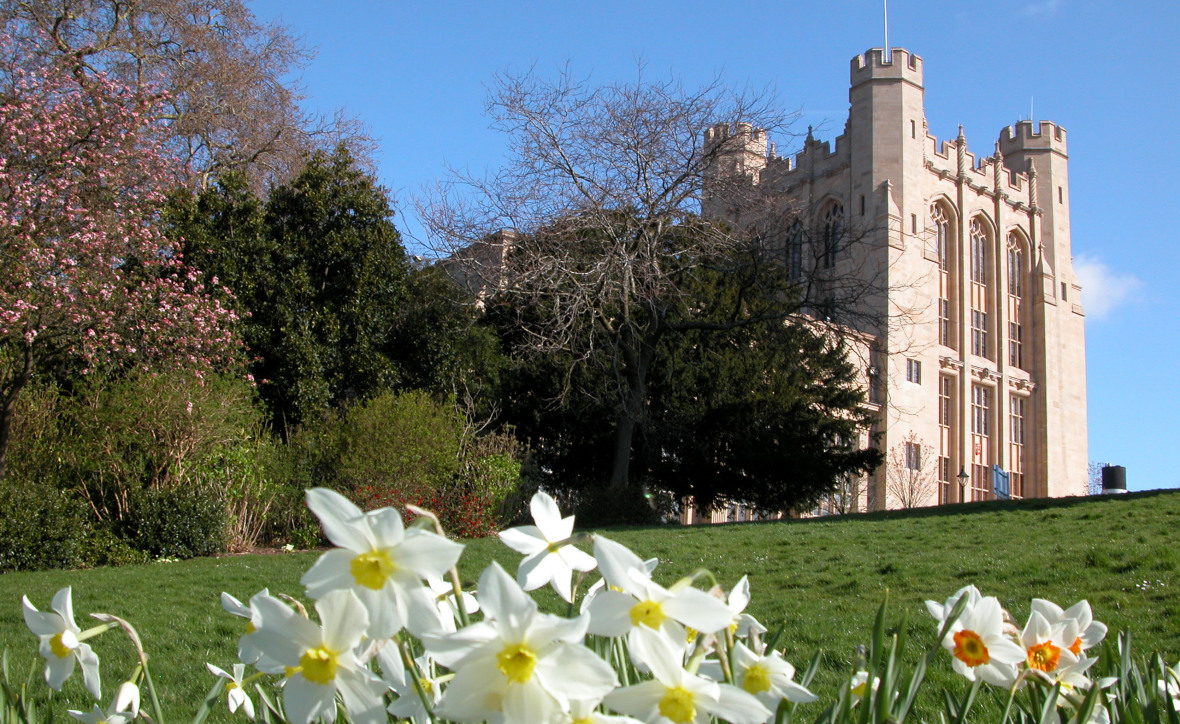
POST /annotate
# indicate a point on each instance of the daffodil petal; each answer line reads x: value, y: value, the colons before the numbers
x: 88, y: 660
x: 738, y: 707
x: 361, y: 692
x: 57, y: 670
x: 548, y: 518
x: 526, y: 539
x: 41, y: 624
x: 641, y: 701
x: 63, y: 603
x: 472, y: 696
x: 344, y: 620
x: 329, y: 573
x: 698, y: 610
x: 616, y: 562
x: 450, y: 649
x: 536, y: 570
x: 660, y: 654
x: 575, y: 672
x: 577, y: 559
x: 529, y: 702
x: 305, y: 701
x: 500, y: 596
x: 339, y: 518
x: 427, y: 554
x: 610, y: 613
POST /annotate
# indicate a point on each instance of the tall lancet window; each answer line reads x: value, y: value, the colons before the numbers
x: 793, y: 251
x: 1017, y: 282
x: 980, y: 243
x: 942, y: 248
x: 833, y: 229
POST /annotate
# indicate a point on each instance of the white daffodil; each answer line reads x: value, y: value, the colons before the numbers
x: 635, y: 600
x: 517, y: 665
x: 235, y: 692
x: 1046, y: 646
x: 1090, y: 632
x: 743, y: 623
x: 585, y: 711
x: 378, y: 560
x: 444, y: 601
x: 320, y: 661
x: 675, y: 695
x: 409, y: 703
x: 978, y: 644
x: 60, y: 645
x: 127, y: 699
x: 1169, y: 686
x: 941, y: 610
x: 546, y: 560
x: 769, y: 678
x: 247, y: 650
x: 98, y: 716
x: 858, y: 686
x: 600, y: 585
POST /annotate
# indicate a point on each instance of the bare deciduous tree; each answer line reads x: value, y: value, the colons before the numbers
x: 229, y: 105
x: 911, y: 473
x: 603, y: 196
x: 1094, y: 478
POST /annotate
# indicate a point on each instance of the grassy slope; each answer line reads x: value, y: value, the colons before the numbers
x: 823, y: 579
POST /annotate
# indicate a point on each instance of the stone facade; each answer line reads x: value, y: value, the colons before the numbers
x: 982, y: 367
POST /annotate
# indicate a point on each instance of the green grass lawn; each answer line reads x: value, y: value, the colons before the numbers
x: 822, y: 579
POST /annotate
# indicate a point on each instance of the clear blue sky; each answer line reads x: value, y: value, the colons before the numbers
x: 416, y: 73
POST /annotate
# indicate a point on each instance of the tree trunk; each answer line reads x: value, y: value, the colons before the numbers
x: 11, y: 391
x: 633, y: 409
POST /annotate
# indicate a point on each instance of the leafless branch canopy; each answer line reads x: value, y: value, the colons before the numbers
x: 230, y: 103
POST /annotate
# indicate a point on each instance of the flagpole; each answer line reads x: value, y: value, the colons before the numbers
x: 887, y: 56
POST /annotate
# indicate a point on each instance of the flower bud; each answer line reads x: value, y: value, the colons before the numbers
x: 127, y: 698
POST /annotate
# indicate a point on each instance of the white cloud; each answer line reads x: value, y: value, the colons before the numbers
x: 1103, y: 288
x: 1042, y: 7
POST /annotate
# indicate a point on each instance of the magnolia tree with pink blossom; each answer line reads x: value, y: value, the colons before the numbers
x: 85, y: 273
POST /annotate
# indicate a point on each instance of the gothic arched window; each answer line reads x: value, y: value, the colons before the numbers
x: 1017, y: 283
x: 942, y: 233
x: 833, y: 229
x: 981, y: 242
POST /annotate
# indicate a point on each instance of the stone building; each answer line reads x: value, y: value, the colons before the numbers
x: 979, y: 375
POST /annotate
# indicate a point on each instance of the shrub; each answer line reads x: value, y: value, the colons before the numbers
x: 41, y: 527
x: 403, y: 442
x: 113, y: 437
x: 176, y: 522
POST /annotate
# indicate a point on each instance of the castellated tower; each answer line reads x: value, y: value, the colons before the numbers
x: 977, y: 370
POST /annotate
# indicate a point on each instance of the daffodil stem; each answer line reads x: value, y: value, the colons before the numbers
x: 698, y: 655
x: 147, y: 677
x: 457, y: 585
x: 96, y: 630
x: 412, y: 669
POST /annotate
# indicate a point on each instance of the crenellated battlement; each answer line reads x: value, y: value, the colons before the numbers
x: 737, y: 137
x: 1023, y: 136
x: 942, y: 158
x: 871, y: 65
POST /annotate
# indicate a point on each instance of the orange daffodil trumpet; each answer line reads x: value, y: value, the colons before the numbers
x: 1049, y: 649
x: 977, y: 640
